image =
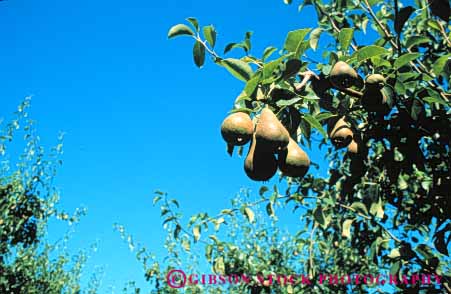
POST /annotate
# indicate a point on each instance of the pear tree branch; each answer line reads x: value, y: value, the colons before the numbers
x: 420, y: 68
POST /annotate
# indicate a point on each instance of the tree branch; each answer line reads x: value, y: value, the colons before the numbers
x: 351, y: 92
x: 307, y: 76
x: 420, y: 68
x: 447, y: 287
x: 443, y: 32
x: 312, y: 234
x: 332, y: 21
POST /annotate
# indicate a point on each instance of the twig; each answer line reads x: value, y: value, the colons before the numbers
x: 311, y: 248
x: 351, y: 92
x: 447, y: 287
x: 443, y: 32
x: 334, y: 25
x: 211, y: 51
x: 379, y: 24
x: 307, y: 76
x: 398, y: 34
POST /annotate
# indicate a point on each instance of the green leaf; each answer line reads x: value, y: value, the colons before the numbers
x: 218, y: 223
x: 282, y: 103
x: 364, y: 25
x: 369, y: 51
x: 194, y: 22
x: 196, y: 233
x: 416, y: 109
x: 346, y: 230
x: 270, y: 67
x: 210, y: 35
x: 268, y: 51
x: 359, y: 207
x: 376, y: 209
x: 416, y: 40
x: 324, y: 115
x: 313, y: 122
x: 294, y: 40
x: 319, y: 217
x: 169, y: 219
x: 394, y: 253
x: 218, y: 265
x: 231, y: 46
x: 252, y: 84
x: 175, y: 202
x: 247, y: 41
x: 398, y: 156
x: 345, y: 38
x: 177, y: 231
x: 186, y: 245
x: 238, y: 68
x: 227, y: 211
x: 433, y: 25
x: 242, y: 109
x: 199, y: 54
x: 262, y: 190
x: 405, y: 59
x: 208, y: 252
x: 215, y: 239
x: 156, y: 199
x: 425, y: 251
x: 439, y: 65
x: 269, y: 209
x: 402, y: 18
x: 314, y: 38
x: 431, y: 100
x: 395, y: 268
x: 180, y: 30
x: 249, y: 214
x: 402, y: 184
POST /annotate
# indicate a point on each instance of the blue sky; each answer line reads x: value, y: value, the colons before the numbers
x: 138, y: 115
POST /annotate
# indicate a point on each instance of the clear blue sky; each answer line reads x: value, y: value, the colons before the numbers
x: 138, y: 115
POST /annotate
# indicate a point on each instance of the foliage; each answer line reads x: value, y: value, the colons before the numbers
x: 28, y: 262
x: 384, y: 209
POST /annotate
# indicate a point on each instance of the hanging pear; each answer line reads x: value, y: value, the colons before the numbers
x: 270, y: 133
x: 375, y: 81
x: 353, y: 147
x: 340, y: 133
x: 379, y: 100
x: 259, y: 165
x: 293, y: 162
x: 237, y: 129
x: 343, y: 76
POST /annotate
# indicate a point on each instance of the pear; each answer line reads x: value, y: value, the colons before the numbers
x: 293, y: 162
x: 378, y: 100
x: 343, y: 76
x: 340, y: 133
x: 375, y: 81
x: 270, y: 133
x: 353, y: 147
x: 237, y: 129
x: 259, y: 165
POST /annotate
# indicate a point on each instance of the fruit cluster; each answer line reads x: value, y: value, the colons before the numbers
x: 273, y: 148
x: 268, y: 138
x: 377, y: 98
